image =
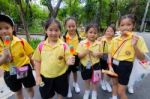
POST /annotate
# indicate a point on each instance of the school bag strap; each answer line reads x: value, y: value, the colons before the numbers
x: 40, y: 46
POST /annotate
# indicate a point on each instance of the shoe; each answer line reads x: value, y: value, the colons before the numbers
x: 130, y: 90
x: 94, y: 95
x: 86, y: 94
x: 113, y: 97
x: 76, y: 87
x: 69, y: 95
x: 103, y: 85
x: 108, y: 87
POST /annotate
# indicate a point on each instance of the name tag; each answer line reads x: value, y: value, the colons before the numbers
x: 13, y: 70
x: 22, y: 72
x: 89, y: 65
x: 115, y: 62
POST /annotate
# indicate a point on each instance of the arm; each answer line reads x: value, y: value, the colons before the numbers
x: 37, y: 67
x: 139, y: 54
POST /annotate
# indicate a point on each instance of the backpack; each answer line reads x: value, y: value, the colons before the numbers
x: 79, y: 38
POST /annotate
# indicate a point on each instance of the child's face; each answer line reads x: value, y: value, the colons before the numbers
x: 92, y: 34
x: 109, y: 32
x: 6, y: 29
x: 126, y: 25
x: 71, y: 26
x: 53, y: 32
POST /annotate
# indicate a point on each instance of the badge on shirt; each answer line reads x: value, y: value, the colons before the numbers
x: 128, y: 53
x: 21, y: 55
x: 60, y: 57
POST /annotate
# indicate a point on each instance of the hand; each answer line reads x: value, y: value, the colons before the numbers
x: 71, y: 60
x: 6, y: 54
x: 134, y: 40
x: 38, y: 80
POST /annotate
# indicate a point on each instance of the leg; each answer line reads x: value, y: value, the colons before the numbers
x: 59, y: 96
x: 30, y: 92
x: 19, y: 94
x: 122, y: 91
x: 87, y: 89
x: 75, y: 76
x: 114, y: 88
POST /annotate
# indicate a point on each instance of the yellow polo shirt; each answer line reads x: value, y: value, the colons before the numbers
x: 105, y: 46
x: 53, y: 59
x: 72, y: 42
x: 126, y: 51
x: 19, y: 52
x: 95, y: 47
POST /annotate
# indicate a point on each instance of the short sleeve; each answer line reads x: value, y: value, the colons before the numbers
x: 142, y: 45
x: 27, y: 48
x: 36, y: 55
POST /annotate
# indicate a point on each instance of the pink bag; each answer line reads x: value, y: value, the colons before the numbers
x: 96, y: 76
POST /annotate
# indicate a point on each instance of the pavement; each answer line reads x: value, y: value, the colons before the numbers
x: 142, y: 89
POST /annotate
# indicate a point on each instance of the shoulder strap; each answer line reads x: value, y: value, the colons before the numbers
x: 104, y: 46
x: 22, y: 43
x: 40, y: 46
x: 120, y: 46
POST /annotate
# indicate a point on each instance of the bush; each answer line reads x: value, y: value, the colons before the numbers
x: 34, y: 43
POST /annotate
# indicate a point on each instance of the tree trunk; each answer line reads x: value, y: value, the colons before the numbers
x: 53, y: 11
x: 144, y: 17
x: 20, y: 10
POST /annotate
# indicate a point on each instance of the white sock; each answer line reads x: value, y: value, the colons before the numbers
x: 114, y: 97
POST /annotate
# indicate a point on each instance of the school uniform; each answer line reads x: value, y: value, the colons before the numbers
x: 53, y: 68
x: 105, y: 47
x: 125, y: 56
x: 86, y: 73
x: 20, y: 51
x: 74, y: 43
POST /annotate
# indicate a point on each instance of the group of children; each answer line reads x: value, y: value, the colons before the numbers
x: 57, y: 56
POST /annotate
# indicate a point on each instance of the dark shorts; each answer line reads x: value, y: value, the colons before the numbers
x: 75, y: 67
x: 59, y: 85
x: 87, y: 73
x: 16, y: 84
x: 123, y: 70
x: 103, y: 64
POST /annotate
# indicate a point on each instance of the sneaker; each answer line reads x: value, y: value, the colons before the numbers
x: 94, y: 95
x: 69, y: 95
x: 130, y: 90
x: 76, y: 87
x: 86, y: 94
x: 103, y: 85
x: 113, y: 97
x: 108, y: 87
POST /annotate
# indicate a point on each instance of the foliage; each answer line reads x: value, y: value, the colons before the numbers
x: 34, y: 43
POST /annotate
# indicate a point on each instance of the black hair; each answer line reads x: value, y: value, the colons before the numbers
x: 8, y: 19
x: 92, y: 25
x: 64, y: 36
x: 49, y: 22
x: 111, y: 26
x: 130, y: 16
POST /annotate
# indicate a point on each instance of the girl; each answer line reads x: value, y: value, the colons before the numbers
x: 72, y: 38
x: 89, y: 53
x: 51, y: 58
x: 15, y: 61
x: 106, y: 41
x: 122, y: 53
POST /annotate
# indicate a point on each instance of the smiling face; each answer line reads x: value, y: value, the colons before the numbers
x: 71, y: 26
x: 109, y: 32
x: 6, y: 30
x: 126, y: 25
x: 92, y: 34
x: 53, y: 31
